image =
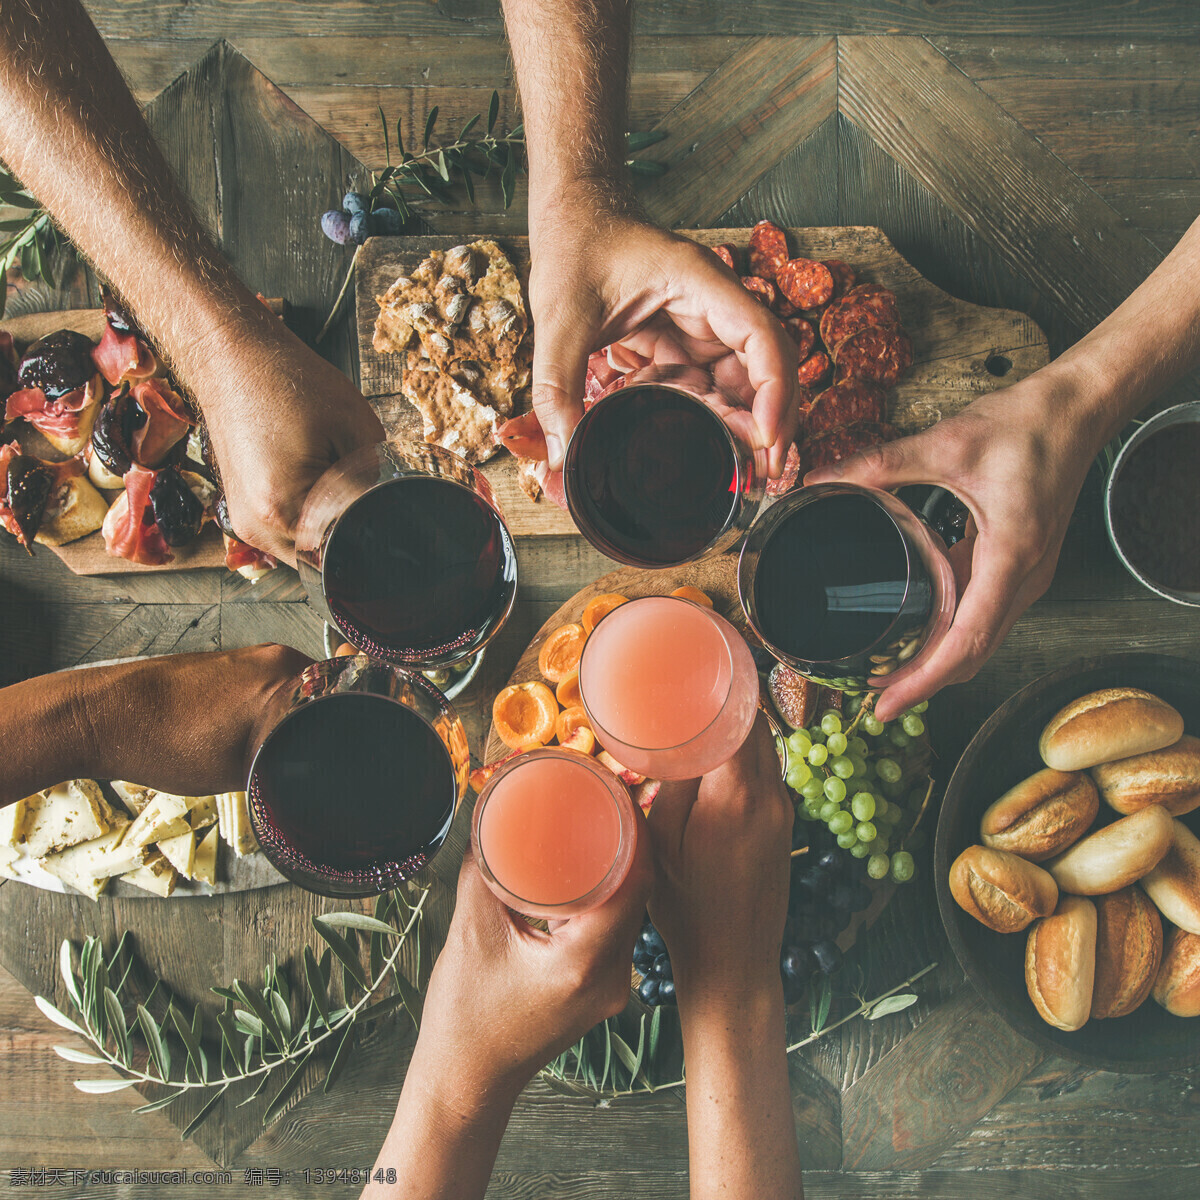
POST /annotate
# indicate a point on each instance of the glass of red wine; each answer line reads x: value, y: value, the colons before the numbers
x: 660, y: 470
x: 355, y: 775
x: 846, y: 585
x: 402, y: 548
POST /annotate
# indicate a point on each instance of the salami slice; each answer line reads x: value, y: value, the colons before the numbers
x: 768, y: 250
x: 764, y: 289
x: 803, y: 334
x: 791, y: 472
x: 843, y: 276
x: 806, y: 283
x: 813, y: 369
x: 783, y: 307
x: 728, y: 254
x: 848, y: 403
x: 876, y: 354
x: 841, y: 443
x: 848, y: 316
x: 879, y: 299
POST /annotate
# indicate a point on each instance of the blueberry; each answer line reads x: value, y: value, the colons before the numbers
x: 827, y: 956
x: 662, y: 967
x: 652, y: 940
x: 648, y: 990
x: 354, y: 202
x: 642, y: 958
x: 335, y: 225
x: 386, y: 222
x: 360, y: 228
x: 793, y: 962
x: 666, y: 992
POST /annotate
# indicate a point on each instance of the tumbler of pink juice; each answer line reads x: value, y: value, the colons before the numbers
x: 554, y: 833
x: 670, y: 688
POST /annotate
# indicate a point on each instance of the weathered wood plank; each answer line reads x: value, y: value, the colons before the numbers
x: 936, y: 1085
x: 738, y: 124
x: 1045, y: 224
x: 220, y: 18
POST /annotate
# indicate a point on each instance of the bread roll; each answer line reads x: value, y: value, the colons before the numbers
x: 1106, y: 725
x: 1129, y: 942
x: 999, y: 889
x: 1041, y: 816
x: 1169, y: 777
x: 1174, y: 884
x: 1060, y: 963
x: 1177, y: 987
x: 1115, y: 856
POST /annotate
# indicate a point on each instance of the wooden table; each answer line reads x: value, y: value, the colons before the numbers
x: 1014, y: 163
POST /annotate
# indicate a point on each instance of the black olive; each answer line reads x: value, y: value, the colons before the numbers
x: 178, y: 513
x: 112, y: 435
x: 58, y: 363
x: 116, y: 315
x: 30, y: 483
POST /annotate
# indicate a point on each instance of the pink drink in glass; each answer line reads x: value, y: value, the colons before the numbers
x: 554, y: 833
x: 669, y: 687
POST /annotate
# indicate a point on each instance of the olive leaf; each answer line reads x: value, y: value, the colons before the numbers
x: 98, y: 1087
x: 493, y: 110
x: 204, y: 1113
x: 891, y: 1004
x: 430, y: 122
x: 60, y: 1019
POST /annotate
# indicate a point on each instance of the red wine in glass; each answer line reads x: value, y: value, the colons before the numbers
x: 654, y: 477
x: 354, y: 787
x: 402, y: 548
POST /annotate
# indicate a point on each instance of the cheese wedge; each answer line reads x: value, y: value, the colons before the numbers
x: 203, y: 813
x: 132, y: 795
x: 180, y: 852
x: 12, y: 822
x: 83, y: 867
x: 8, y: 856
x: 156, y: 875
x: 243, y: 840
x: 204, y: 868
x: 164, y: 817
x: 62, y: 816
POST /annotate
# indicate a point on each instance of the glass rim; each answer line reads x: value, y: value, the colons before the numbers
x: 709, y: 614
x: 747, y: 572
x: 622, y: 802
x: 742, y: 465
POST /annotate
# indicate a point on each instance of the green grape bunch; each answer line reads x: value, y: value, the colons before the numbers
x: 867, y: 780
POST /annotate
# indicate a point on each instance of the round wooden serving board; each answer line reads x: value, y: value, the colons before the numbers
x: 717, y: 576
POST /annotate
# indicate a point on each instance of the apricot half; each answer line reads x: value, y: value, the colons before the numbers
x: 569, y: 720
x: 600, y: 606
x: 567, y: 693
x: 560, y: 652
x: 524, y: 715
x: 694, y: 594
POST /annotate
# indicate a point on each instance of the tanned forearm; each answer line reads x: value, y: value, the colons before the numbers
x: 1143, y: 346
x: 571, y: 59
x: 741, y: 1131
x: 73, y: 133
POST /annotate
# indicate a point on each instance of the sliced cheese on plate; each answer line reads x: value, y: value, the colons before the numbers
x: 204, y: 868
x: 180, y: 852
x: 64, y: 816
x: 156, y: 875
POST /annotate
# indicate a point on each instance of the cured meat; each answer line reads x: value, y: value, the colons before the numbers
x: 728, y: 254
x: 861, y: 308
x: 783, y: 307
x: 841, y: 443
x: 768, y: 250
x: 846, y: 403
x: 129, y: 529
x: 813, y: 369
x: 802, y: 333
x: 806, y: 283
x: 167, y: 422
x: 877, y: 354
x: 522, y: 436
x: 843, y: 274
x: 791, y: 472
x: 120, y: 357
x: 239, y: 555
x: 764, y: 289
x: 66, y: 421
x: 25, y: 487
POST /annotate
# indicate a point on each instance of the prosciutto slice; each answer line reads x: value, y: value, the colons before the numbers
x: 239, y: 554
x: 61, y: 420
x: 123, y: 357
x: 129, y: 529
x: 167, y: 422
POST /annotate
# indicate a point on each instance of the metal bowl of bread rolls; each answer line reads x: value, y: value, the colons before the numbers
x: 1068, y: 862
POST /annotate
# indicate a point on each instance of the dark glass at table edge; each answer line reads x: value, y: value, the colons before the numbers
x: 746, y: 496
x: 364, y: 673
x: 917, y: 608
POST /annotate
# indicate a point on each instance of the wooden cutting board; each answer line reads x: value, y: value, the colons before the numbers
x: 87, y: 556
x: 960, y: 350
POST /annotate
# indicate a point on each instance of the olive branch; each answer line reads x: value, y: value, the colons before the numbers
x: 259, y: 1036
x: 29, y: 239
